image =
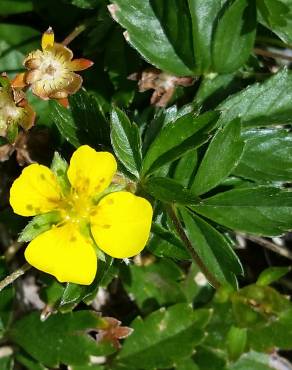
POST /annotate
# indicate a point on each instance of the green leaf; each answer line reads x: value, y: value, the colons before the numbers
x: 236, y: 342
x: 120, y: 61
x: 59, y: 166
x: 186, y: 364
x: 263, y: 210
x: 174, y: 17
x: 6, y: 300
x: 234, y: 36
x: 186, y: 167
x: 215, y: 88
x: 38, y: 225
x: 126, y: 141
x: 215, y: 168
x: 16, y: 42
x: 277, y: 15
x: 272, y: 274
x: 88, y: 367
x: 62, y: 117
x: 28, y: 362
x: 60, y: 339
x: 186, y: 133
x: 267, y: 155
x: 212, y: 247
x: 6, y: 362
x: 261, y: 104
x: 203, y: 14
x: 155, y: 285
x: 86, y: 4
x: 91, y: 126
x: 169, y: 191
x: 252, y: 360
x: 15, y: 6
x: 153, y: 45
x: 208, y: 359
x: 73, y: 294
x: 164, y: 337
x: 164, y: 243
x: 83, y: 122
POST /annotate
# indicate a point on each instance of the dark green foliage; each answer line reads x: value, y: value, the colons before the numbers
x: 214, y: 158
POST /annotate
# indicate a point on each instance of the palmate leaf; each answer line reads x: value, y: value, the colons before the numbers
x: 169, y: 191
x: 277, y: 16
x: 163, y: 337
x: 267, y: 155
x: 234, y: 36
x: 60, y: 339
x: 220, y: 159
x: 261, y: 104
x: 155, y: 285
x: 183, y: 36
x: 147, y: 35
x: 176, y: 138
x: 252, y: 360
x: 203, y: 14
x: 212, y: 248
x: 83, y: 123
x: 126, y: 141
x: 262, y: 210
x: 163, y: 243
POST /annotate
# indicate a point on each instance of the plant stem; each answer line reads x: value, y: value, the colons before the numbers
x: 75, y: 33
x: 284, y: 252
x: 196, y: 258
x: 269, y: 54
x: 272, y: 41
x: 15, y: 275
x: 12, y: 250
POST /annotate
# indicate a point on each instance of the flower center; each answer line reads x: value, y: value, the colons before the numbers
x: 76, y: 208
x: 52, y: 67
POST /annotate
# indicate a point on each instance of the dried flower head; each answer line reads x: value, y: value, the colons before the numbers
x: 162, y: 83
x: 51, y: 70
x: 113, y: 332
x: 14, y: 110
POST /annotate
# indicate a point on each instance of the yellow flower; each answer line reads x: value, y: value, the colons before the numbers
x: 119, y: 222
x: 14, y: 110
x: 51, y: 70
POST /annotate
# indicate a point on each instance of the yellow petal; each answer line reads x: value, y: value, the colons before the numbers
x: 64, y: 253
x: 91, y: 172
x: 35, y: 191
x: 48, y: 39
x: 121, y: 224
x: 63, y: 53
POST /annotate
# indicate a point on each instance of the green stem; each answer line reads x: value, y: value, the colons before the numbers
x: 196, y: 258
x: 15, y: 275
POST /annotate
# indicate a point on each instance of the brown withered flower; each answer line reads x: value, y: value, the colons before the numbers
x: 28, y: 146
x: 162, y: 83
x: 14, y: 110
x: 113, y: 332
x: 51, y: 71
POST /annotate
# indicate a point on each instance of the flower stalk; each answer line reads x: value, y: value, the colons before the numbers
x: 14, y: 276
x: 195, y: 257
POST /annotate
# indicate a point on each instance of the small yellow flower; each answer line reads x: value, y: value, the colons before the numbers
x: 119, y: 222
x: 14, y: 109
x: 51, y: 70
